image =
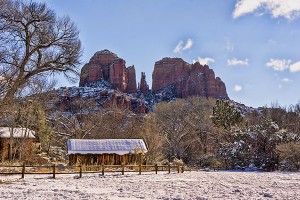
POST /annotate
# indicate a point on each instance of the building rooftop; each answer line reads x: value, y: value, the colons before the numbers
x: 106, y: 146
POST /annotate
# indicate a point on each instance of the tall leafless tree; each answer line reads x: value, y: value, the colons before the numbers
x: 34, y: 43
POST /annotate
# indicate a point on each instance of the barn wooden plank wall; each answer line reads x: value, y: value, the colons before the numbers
x: 106, y: 159
x: 17, y: 148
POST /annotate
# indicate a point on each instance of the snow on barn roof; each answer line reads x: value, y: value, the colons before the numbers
x: 105, y: 146
x: 17, y: 132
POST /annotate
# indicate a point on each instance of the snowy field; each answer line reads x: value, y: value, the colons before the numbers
x: 189, y: 185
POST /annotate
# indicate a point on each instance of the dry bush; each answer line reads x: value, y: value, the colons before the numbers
x: 289, y: 155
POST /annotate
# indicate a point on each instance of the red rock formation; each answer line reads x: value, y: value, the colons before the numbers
x: 97, y: 68
x: 142, y: 109
x: 143, y: 86
x: 119, y: 100
x: 131, y: 79
x: 168, y: 71
x: 108, y: 66
x: 189, y: 80
x: 118, y: 75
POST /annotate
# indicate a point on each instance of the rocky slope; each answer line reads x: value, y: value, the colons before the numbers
x: 101, y: 93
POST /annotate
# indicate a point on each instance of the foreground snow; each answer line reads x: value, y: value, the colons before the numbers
x: 189, y: 185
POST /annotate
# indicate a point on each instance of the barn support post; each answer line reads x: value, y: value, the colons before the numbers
x: 23, y: 170
x: 140, y: 164
x: 102, y: 169
x: 80, y: 171
x: 53, y: 170
x: 122, y: 169
x: 140, y: 169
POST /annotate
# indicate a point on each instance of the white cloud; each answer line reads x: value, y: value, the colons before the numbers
x: 180, y: 48
x: 283, y: 64
x: 295, y: 67
x: 279, y: 64
x: 204, y: 61
x: 234, y: 61
x: 290, y: 9
x: 286, y: 80
x: 237, y: 88
x: 188, y: 44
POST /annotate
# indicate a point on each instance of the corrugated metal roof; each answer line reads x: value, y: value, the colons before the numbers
x: 105, y: 146
x: 17, y: 132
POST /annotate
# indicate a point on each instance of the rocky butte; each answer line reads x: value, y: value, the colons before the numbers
x: 105, y: 65
x: 189, y: 79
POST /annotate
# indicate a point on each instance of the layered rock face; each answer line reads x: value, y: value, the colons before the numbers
x: 131, y: 79
x: 168, y: 71
x: 109, y: 67
x: 189, y: 79
x: 118, y: 75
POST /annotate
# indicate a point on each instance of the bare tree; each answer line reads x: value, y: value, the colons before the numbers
x: 153, y: 137
x: 34, y: 43
x: 79, y: 122
x: 177, y: 132
x: 200, y: 120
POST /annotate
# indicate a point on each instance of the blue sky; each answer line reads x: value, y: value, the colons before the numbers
x: 253, y: 45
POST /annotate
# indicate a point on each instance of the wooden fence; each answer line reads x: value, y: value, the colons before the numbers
x: 59, y: 169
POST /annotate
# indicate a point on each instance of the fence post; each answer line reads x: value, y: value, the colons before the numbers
x: 169, y: 168
x: 102, y: 169
x: 140, y: 169
x: 23, y: 170
x: 122, y: 169
x: 80, y: 171
x: 156, y: 168
x: 53, y: 171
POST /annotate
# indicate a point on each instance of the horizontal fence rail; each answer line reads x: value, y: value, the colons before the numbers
x: 81, y: 169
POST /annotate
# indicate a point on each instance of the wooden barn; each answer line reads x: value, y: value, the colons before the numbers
x: 106, y: 151
x: 17, y: 143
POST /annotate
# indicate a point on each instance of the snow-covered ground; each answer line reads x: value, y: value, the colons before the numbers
x: 188, y: 185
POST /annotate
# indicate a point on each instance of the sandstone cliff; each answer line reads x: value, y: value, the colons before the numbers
x: 189, y: 79
x: 131, y: 80
x: 105, y: 65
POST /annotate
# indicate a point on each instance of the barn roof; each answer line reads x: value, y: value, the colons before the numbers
x: 105, y: 146
x: 17, y: 132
